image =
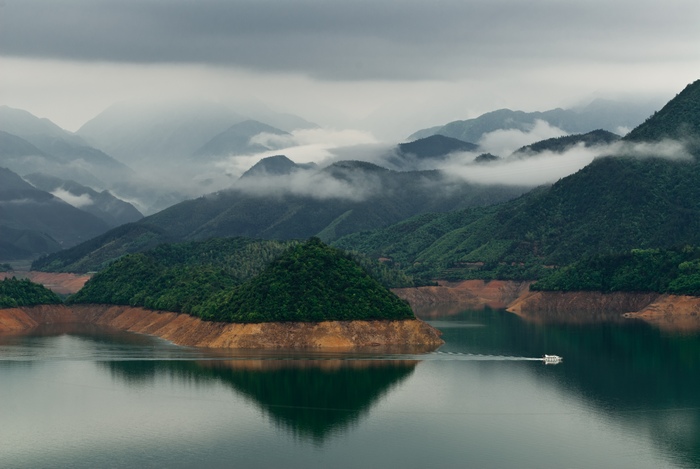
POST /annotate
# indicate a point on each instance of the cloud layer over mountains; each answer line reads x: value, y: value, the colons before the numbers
x: 389, y: 67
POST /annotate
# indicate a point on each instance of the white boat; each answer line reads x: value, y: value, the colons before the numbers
x: 552, y: 359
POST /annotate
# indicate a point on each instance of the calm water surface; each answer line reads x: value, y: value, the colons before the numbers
x: 626, y: 396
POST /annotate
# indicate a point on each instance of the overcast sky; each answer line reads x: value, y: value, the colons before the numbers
x: 394, y: 66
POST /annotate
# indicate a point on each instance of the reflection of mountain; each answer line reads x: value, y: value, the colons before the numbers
x: 312, y: 398
x: 631, y: 372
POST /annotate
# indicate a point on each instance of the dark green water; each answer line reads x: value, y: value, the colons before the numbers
x: 626, y: 396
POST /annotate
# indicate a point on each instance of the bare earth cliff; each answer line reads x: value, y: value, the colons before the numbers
x: 183, y: 329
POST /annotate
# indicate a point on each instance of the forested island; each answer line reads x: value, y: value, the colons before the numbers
x: 308, y: 282
x: 237, y: 293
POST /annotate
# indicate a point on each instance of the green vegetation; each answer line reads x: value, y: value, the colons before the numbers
x: 561, y: 144
x: 679, y: 119
x: 226, y: 280
x: 659, y: 270
x: 5, y: 268
x: 615, y: 204
x: 97, y: 253
x: 382, y: 197
x: 14, y: 293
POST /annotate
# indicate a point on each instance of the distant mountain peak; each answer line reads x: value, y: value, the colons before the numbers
x: 561, y: 144
x: 277, y: 165
x: 236, y: 140
x: 435, y: 146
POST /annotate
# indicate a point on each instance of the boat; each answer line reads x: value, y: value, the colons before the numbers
x: 552, y: 359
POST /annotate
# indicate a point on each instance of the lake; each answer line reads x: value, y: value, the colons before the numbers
x: 626, y: 396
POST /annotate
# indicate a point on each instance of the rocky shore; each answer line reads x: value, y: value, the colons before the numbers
x: 183, y: 329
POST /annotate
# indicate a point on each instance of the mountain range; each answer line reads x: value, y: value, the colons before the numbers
x: 280, y: 199
x: 33, y: 221
x: 648, y: 197
x: 599, y: 114
x: 330, y: 202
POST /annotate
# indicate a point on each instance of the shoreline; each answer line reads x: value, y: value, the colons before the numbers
x: 186, y: 330
x: 673, y: 313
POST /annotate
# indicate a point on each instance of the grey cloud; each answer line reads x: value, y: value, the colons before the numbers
x: 346, y: 40
x: 547, y: 167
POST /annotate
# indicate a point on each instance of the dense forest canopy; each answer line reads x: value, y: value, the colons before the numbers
x: 305, y: 282
x: 21, y: 292
x: 674, y: 271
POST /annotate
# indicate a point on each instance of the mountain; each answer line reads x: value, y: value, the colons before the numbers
x: 28, y: 126
x: 561, y: 144
x: 435, y: 146
x: 147, y: 133
x: 236, y: 140
x: 278, y: 165
x: 20, y: 156
x: 30, y: 144
x: 103, y: 204
x: 600, y: 114
x: 34, y: 222
x: 343, y: 198
x: 141, y: 134
x: 424, y: 153
x: 679, y: 119
x: 614, y: 204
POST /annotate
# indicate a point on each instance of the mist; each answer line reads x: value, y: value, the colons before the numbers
x: 77, y: 201
x: 548, y: 167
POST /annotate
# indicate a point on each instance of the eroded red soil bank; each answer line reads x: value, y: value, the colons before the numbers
x: 183, y: 329
x: 668, y: 312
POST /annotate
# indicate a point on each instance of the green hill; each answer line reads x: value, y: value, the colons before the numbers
x: 615, y: 204
x: 307, y: 282
x: 659, y: 270
x: 14, y: 293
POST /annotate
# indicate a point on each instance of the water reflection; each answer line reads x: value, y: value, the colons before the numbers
x: 311, y: 398
x: 634, y: 373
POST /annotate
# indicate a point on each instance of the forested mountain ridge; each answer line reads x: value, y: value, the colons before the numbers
x: 675, y: 271
x: 599, y: 114
x: 342, y: 198
x: 103, y: 205
x: 561, y: 144
x: 33, y: 221
x: 615, y: 204
x: 679, y: 119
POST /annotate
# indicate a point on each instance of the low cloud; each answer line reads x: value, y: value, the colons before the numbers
x: 319, y: 184
x: 505, y: 142
x: 667, y: 149
x: 320, y: 146
x: 77, y: 201
x: 548, y: 167
x: 543, y: 168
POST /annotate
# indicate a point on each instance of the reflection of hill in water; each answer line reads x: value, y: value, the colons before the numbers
x: 313, y: 399
x: 630, y: 371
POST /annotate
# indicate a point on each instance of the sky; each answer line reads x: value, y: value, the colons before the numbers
x: 386, y: 66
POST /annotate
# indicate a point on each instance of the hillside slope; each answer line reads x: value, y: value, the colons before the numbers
x: 615, y: 204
